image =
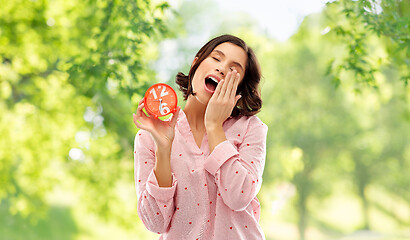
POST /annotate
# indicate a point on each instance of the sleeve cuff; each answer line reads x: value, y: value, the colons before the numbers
x: 160, y: 193
x: 222, y: 153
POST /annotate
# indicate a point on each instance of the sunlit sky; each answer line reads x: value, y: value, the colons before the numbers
x: 279, y: 18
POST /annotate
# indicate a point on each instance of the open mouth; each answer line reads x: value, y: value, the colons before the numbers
x: 211, y: 83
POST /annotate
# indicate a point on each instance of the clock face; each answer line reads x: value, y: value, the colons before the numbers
x: 160, y: 100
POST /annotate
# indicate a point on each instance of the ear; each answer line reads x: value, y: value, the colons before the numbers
x: 193, y: 62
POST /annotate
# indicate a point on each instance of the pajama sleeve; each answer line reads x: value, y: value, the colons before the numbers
x: 155, y: 205
x: 238, y: 171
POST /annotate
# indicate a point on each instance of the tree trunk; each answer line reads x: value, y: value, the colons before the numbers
x: 365, y: 206
x: 302, y: 216
x: 302, y: 225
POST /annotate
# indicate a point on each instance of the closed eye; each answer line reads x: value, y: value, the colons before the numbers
x: 216, y: 59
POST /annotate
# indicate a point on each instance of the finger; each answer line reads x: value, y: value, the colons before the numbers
x: 175, y: 117
x: 140, y: 116
x: 140, y: 113
x: 218, y: 89
x: 235, y: 85
x: 237, y: 99
x: 145, y: 114
x: 136, y: 122
x: 229, y: 85
x: 140, y: 106
x: 231, y: 88
x: 225, y: 85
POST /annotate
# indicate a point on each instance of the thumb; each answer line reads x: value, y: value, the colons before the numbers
x: 175, y: 117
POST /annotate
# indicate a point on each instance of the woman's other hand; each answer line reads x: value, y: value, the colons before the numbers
x: 162, y: 132
x: 223, y: 101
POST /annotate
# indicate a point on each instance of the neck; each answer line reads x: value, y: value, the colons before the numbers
x: 195, y: 113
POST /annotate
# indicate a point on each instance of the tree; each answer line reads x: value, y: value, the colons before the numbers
x: 322, y: 137
x: 356, y: 23
x: 67, y: 73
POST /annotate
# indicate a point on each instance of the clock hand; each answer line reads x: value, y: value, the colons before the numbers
x: 160, y: 104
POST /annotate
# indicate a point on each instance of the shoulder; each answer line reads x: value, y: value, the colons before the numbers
x: 143, y: 138
x: 255, y: 121
x: 247, y: 122
x: 243, y: 127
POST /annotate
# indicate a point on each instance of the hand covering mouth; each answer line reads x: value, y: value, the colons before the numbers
x: 211, y: 83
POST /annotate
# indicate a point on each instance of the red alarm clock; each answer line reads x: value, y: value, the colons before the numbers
x: 160, y: 100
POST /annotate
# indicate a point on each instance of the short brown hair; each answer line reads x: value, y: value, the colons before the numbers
x: 250, y: 103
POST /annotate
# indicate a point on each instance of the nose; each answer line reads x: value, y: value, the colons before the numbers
x: 219, y: 69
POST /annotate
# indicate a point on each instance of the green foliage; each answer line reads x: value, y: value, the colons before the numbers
x: 63, y: 227
x: 355, y: 24
x: 68, y: 70
x: 322, y: 136
x: 71, y: 73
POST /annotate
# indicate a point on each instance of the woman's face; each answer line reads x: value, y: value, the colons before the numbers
x: 225, y: 58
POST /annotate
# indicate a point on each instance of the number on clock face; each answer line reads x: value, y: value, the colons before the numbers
x: 163, y: 92
x: 163, y: 109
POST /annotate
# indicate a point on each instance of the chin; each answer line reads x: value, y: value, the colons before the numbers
x: 201, y: 98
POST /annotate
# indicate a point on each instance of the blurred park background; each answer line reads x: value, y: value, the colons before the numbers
x: 336, y: 99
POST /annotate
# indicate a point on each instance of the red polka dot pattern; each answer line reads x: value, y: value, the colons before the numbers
x: 225, y: 169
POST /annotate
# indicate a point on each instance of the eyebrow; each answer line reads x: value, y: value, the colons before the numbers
x: 236, y: 63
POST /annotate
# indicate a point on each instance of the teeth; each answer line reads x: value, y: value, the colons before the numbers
x: 213, y: 79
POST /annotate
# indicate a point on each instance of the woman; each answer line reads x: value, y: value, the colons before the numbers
x: 197, y: 175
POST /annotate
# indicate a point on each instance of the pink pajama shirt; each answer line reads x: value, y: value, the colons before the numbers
x: 213, y: 195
